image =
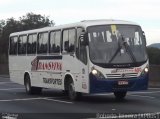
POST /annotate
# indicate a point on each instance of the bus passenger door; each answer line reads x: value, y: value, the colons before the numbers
x: 81, y: 53
x: 75, y: 59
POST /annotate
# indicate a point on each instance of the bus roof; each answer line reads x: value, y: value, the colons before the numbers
x: 84, y: 23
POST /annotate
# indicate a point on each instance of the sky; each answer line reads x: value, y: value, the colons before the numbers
x: 143, y: 12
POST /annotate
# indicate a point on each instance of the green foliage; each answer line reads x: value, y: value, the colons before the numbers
x: 2, y: 23
x: 33, y: 21
x: 154, y: 55
x: 27, y: 22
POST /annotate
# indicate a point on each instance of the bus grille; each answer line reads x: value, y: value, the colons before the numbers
x: 124, y: 75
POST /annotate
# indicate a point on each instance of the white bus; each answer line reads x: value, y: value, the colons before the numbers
x: 94, y: 56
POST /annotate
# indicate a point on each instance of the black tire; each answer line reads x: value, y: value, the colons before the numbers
x: 120, y: 95
x: 72, y: 94
x: 29, y: 88
x: 65, y: 92
x: 36, y: 90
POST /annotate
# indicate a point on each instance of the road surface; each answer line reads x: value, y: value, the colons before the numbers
x: 15, y: 103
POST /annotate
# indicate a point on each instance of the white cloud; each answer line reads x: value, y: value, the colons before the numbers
x: 152, y: 35
x: 144, y: 12
x: 119, y: 9
x: 5, y: 1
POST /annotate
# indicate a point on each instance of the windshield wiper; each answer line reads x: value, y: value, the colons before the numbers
x: 115, y: 54
x: 127, y: 47
x: 120, y: 44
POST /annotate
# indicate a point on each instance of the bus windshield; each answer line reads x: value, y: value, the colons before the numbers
x: 116, y: 44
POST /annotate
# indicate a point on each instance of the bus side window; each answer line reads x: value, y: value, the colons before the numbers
x: 13, y: 45
x: 81, y: 49
x: 72, y: 40
x: 79, y: 31
x: 55, y: 38
x: 22, y: 41
x: 65, y: 40
x: 42, y: 46
x: 31, y: 44
x: 69, y: 40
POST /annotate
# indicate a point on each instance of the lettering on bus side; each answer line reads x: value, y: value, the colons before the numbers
x: 49, y: 66
x: 46, y: 64
x: 52, y: 81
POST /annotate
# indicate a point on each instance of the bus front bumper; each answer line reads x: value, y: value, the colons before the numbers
x: 112, y: 85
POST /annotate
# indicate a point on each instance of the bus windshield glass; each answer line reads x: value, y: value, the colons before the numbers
x: 117, y: 44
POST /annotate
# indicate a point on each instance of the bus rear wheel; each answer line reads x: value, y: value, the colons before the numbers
x: 120, y: 95
x: 73, y: 95
x: 29, y: 88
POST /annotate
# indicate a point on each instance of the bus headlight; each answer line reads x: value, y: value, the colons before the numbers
x: 97, y: 73
x: 146, y: 70
x: 94, y: 72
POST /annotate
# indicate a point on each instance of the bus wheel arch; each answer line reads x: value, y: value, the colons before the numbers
x: 25, y: 76
x: 69, y: 88
x: 27, y: 83
x: 29, y: 88
x: 68, y: 78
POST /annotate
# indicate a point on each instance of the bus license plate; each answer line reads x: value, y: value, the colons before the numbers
x: 121, y: 83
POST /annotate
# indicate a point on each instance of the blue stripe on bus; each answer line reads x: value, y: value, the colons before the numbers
x: 111, y: 85
x: 49, y: 57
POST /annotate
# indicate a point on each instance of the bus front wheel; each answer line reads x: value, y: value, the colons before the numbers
x: 29, y: 88
x: 120, y: 95
x: 73, y: 95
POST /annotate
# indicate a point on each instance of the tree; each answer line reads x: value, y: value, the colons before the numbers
x: 2, y: 23
x: 33, y: 21
x: 11, y: 25
x: 154, y: 55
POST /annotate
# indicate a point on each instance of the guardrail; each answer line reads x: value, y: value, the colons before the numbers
x: 154, y: 76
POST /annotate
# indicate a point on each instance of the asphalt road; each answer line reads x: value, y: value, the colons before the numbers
x: 15, y: 103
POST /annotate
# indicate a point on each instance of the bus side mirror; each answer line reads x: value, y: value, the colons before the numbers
x: 83, y: 39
